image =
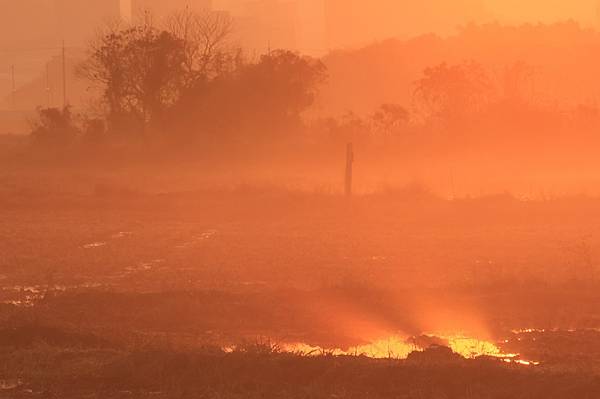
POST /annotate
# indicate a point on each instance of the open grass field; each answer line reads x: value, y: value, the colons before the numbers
x: 115, y: 292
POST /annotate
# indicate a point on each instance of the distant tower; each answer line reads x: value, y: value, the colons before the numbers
x: 126, y: 9
x: 162, y: 8
x: 312, y: 27
x: 77, y: 20
x: 269, y: 24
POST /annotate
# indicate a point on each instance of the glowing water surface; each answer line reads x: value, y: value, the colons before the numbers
x: 396, y: 347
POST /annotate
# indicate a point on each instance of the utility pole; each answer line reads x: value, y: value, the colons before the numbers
x: 48, y: 91
x: 349, y: 164
x: 14, y: 88
x: 64, y: 75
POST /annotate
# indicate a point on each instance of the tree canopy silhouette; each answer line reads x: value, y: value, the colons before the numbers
x: 449, y: 93
x: 140, y: 70
x: 187, y: 77
x: 255, y: 100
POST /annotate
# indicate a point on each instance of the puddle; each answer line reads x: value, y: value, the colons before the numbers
x: 88, y: 285
x: 27, y: 296
x: 22, y: 288
x: 144, y: 266
x: 22, y: 296
x: 400, y: 348
x: 116, y: 236
x: 95, y: 245
x: 378, y: 258
x: 7, y: 385
x: 207, y: 235
x: 26, y: 303
x: 122, y: 234
x: 254, y: 283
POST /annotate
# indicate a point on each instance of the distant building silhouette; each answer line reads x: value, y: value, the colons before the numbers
x: 352, y: 23
x: 77, y: 20
x: 29, y: 23
x: 31, y: 34
x: 312, y: 27
x: 274, y: 23
x: 260, y: 25
x: 162, y: 8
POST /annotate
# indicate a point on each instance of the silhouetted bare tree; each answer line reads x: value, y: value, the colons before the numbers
x: 205, y: 40
x: 140, y: 70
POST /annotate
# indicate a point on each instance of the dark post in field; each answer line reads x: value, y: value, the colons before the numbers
x: 64, y: 75
x: 349, y: 164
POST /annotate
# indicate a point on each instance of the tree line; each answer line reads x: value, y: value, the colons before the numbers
x: 184, y: 81
x: 187, y: 84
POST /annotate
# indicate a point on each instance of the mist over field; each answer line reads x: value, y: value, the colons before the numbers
x: 285, y: 199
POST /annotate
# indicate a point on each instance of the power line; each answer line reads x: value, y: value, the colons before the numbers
x: 33, y: 49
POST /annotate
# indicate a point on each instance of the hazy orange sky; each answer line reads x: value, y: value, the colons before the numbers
x: 516, y: 10
x: 330, y: 24
x: 586, y: 11
x: 377, y: 19
x: 319, y: 25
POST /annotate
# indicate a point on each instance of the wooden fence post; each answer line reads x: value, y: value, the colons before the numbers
x: 349, y: 164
